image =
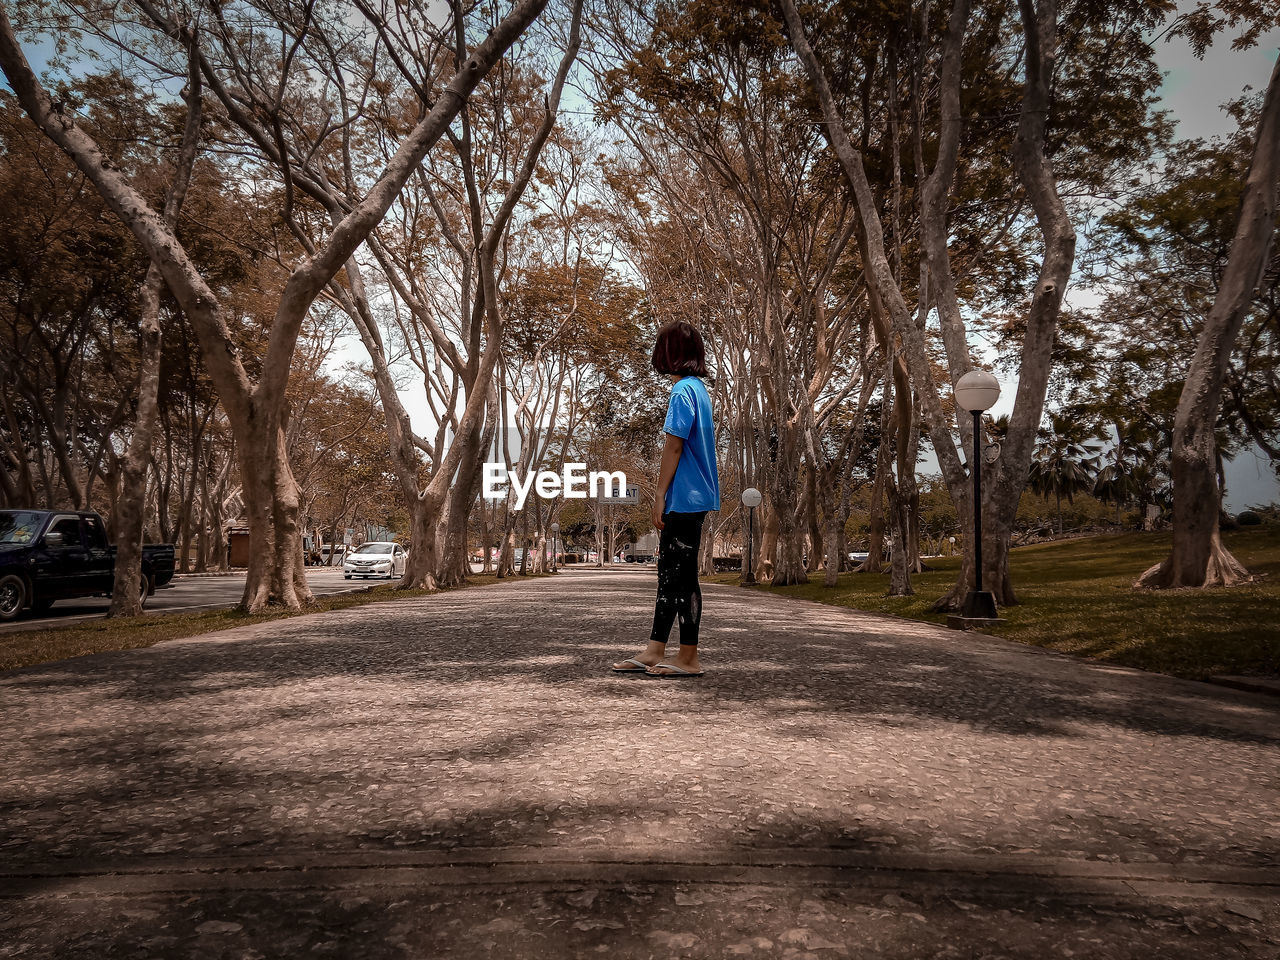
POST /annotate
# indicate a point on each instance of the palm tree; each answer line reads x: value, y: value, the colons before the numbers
x: 1139, y: 468
x: 1115, y: 483
x: 1066, y: 459
x: 1118, y: 482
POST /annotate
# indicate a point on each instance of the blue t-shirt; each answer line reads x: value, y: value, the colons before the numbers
x: 696, y: 485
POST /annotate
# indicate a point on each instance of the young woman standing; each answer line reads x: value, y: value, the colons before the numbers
x: 688, y: 487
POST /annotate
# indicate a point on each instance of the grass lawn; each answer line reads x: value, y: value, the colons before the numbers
x: 1076, y: 596
x: 29, y: 647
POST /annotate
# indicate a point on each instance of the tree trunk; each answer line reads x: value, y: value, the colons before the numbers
x: 486, y: 537
x: 125, y: 593
x: 202, y: 541
x: 524, y: 543
x: 789, y: 565
x: 25, y: 494
x: 506, y: 555
x: 454, y: 562
x: 451, y: 533
x: 1002, y: 495
x: 11, y: 497
x: 874, y: 563
x: 833, y: 539
x: 186, y: 517
x: 276, y: 573
x: 204, y: 548
x: 812, y: 520
x: 164, y: 492
x: 1198, y: 558
x: 768, y: 537
x: 216, y: 521
x: 424, y: 559
x: 897, y: 397
x: 910, y: 490
x: 707, y: 555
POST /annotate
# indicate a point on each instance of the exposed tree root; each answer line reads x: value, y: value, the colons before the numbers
x: 263, y: 602
x: 1222, y: 570
x: 426, y: 581
x: 450, y: 580
x: 952, y: 600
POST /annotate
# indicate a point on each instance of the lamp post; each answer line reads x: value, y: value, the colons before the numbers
x: 555, y: 537
x: 977, y: 391
x: 751, y: 498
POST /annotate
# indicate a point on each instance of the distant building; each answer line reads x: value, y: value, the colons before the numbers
x: 237, y: 541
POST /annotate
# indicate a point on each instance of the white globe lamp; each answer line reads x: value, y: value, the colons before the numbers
x: 977, y: 391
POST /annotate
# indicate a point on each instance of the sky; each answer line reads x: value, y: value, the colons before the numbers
x: 1194, y: 90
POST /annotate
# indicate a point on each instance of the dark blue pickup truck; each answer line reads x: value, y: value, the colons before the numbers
x: 48, y: 555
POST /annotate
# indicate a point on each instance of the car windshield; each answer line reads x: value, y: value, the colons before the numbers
x: 374, y: 548
x: 18, y: 526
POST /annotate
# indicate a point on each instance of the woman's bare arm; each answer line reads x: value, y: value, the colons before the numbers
x: 670, y: 460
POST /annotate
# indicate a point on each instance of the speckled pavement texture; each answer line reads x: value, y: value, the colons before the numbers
x: 460, y: 775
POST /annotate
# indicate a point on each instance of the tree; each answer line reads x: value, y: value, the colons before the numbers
x: 472, y: 193
x: 1065, y: 461
x: 68, y: 275
x: 739, y: 229
x: 1198, y: 558
x: 1074, y: 52
x: 125, y: 596
x: 257, y: 410
x: 77, y: 301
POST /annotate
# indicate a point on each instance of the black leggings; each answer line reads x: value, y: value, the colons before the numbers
x: 678, y: 592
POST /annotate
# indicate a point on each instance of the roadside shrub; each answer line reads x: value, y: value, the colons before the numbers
x: 1247, y: 518
x: 1267, y: 513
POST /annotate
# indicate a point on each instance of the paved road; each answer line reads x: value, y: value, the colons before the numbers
x: 188, y: 594
x: 182, y: 594
x: 459, y: 775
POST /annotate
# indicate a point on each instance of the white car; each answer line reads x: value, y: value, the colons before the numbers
x: 386, y: 560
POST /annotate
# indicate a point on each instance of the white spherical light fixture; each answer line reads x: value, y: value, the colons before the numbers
x: 977, y: 390
x: 751, y: 497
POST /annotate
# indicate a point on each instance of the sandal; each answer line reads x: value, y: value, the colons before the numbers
x: 678, y: 673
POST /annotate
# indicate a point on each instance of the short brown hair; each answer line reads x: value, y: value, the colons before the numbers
x: 679, y: 350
